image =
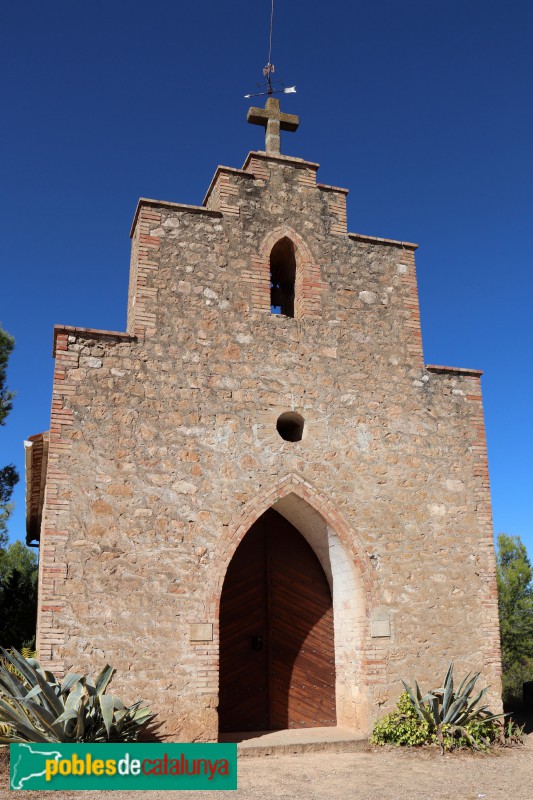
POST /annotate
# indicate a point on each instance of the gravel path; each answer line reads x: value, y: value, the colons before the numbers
x: 375, y: 774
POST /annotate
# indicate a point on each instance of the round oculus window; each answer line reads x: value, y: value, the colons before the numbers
x: 290, y: 426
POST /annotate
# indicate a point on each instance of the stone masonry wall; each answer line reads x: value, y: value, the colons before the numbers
x: 164, y: 450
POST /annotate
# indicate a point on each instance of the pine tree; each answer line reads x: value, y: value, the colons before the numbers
x: 18, y: 595
x: 18, y: 564
x: 515, y: 603
x: 8, y: 475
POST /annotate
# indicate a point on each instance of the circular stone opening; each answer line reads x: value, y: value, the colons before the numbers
x: 290, y: 426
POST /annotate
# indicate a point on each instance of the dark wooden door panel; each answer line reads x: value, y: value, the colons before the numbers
x: 275, y: 588
x: 302, y: 680
x: 244, y: 696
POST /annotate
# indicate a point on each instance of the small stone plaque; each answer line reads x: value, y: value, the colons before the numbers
x: 201, y: 632
x: 380, y: 624
x: 380, y: 627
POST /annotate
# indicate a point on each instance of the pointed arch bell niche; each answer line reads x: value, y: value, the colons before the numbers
x: 286, y: 276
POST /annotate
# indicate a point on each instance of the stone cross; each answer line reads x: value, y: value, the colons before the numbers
x: 271, y: 118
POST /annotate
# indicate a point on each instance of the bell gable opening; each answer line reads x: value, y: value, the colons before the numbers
x: 282, y: 277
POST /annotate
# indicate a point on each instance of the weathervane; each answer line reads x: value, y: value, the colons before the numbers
x: 269, y: 70
x: 271, y: 117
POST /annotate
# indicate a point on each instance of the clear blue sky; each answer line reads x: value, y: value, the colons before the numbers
x: 423, y: 110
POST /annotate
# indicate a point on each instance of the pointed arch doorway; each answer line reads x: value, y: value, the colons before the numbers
x: 277, y: 654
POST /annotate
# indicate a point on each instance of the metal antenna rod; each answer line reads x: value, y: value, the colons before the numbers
x: 269, y: 69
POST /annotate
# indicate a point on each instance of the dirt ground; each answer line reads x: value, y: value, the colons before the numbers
x: 373, y: 774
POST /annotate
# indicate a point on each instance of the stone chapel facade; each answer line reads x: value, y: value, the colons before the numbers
x: 238, y: 507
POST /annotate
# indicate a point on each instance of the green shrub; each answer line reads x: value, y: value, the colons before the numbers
x: 450, y: 718
x: 402, y: 727
x: 36, y: 707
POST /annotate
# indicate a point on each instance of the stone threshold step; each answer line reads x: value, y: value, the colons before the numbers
x: 301, y: 740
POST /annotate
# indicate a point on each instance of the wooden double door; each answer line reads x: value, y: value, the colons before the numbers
x: 277, y: 659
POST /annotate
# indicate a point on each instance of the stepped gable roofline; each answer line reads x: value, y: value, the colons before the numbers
x: 228, y: 170
x: 362, y: 237
x: 146, y: 201
x: 96, y: 333
x: 475, y: 373
x: 291, y: 161
x: 325, y: 187
x: 247, y: 173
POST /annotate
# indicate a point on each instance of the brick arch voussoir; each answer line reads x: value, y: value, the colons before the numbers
x: 304, y: 254
x: 251, y: 512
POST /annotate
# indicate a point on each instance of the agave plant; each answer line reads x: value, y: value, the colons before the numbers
x: 36, y: 707
x: 26, y: 652
x: 448, y: 711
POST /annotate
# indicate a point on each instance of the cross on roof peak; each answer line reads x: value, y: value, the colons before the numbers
x: 273, y: 119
